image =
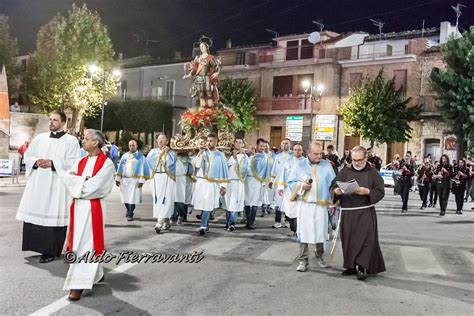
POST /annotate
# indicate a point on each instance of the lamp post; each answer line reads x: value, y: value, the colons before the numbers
x: 93, y: 69
x: 315, y: 93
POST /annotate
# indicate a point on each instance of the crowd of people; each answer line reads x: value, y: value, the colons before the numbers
x: 306, y: 191
x: 434, y: 180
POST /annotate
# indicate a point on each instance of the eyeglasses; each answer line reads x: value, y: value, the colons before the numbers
x: 358, y: 160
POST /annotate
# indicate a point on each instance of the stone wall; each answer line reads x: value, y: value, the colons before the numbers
x: 25, y: 126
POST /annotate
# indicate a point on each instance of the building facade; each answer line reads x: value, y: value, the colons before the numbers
x: 336, y: 63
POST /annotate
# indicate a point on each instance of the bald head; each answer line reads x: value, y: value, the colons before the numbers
x: 315, y: 152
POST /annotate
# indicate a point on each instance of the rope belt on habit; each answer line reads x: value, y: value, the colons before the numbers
x: 160, y: 172
x: 356, y: 208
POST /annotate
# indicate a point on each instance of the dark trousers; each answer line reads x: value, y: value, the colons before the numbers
x: 405, y: 186
x: 433, y: 193
x: 424, y: 190
x: 277, y: 214
x: 130, y: 209
x: 250, y: 213
x: 292, y: 222
x: 443, y: 195
x: 460, y: 197
x: 180, y: 209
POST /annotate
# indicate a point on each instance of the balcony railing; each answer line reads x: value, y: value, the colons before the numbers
x: 429, y: 104
x: 285, y: 105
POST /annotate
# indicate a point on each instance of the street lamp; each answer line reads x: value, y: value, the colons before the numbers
x: 93, y: 69
x: 315, y: 93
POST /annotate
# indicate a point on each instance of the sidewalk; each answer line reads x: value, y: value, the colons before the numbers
x: 8, y: 181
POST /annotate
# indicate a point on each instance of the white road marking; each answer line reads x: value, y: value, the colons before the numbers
x: 220, y: 245
x: 281, y: 252
x: 421, y: 260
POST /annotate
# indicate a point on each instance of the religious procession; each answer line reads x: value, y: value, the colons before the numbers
x: 199, y: 171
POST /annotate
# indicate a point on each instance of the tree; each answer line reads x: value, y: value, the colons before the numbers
x: 59, y: 73
x: 8, y: 51
x: 240, y: 95
x: 455, y: 87
x: 376, y: 111
x: 135, y: 116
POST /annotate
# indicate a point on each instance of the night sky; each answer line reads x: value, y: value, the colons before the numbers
x: 176, y: 24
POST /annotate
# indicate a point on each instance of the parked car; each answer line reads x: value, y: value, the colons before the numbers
x: 388, y: 175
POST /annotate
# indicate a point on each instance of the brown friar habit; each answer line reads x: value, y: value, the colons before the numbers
x: 359, y: 234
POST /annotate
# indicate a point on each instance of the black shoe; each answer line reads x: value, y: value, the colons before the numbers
x: 101, y: 279
x: 231, y: 228
x: 459, y: 212
x: 422, y: 207
x: 202, y: 231
x: 442, y: 213
x: 250, y: 227
x: 349, y: 272
x: 198, y: 216
x: 404, y: 210
x: 129, y: 218
x: 46, y: 259
x: 361, y: 274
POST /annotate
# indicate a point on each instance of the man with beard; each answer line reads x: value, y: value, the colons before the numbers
x: 359, y: 236
x: 45, y: 202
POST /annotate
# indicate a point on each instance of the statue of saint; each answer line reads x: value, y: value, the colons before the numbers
x: 204, y: 70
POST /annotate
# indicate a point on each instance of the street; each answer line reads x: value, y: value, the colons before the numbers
x: 429, y: 262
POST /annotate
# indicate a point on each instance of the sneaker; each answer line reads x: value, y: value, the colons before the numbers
x: 361, y: 274
x: 202, y: 231
x: 158, y: 228
x: 243, y: 221
x: 302, y: 267
x: 129, y: 218
x: 250, y: 227
x: 321, y: 262
x: 180, y: 221
x: 231, y: 228
x: 173, y: 223
x: 277, y: 225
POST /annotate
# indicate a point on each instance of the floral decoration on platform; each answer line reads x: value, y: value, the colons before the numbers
x: 204, y: 117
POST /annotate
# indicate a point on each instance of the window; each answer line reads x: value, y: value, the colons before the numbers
x: 355, y: 80
x: 400, y: 79
x: 389, y: 50
x: 123, y: 90
x: 306, y: 49
x: 169, y: 91
x: 292, y: 50
x: 23, y: 64
x: 240, y: 58
x: 406, y: 49
x: 282, y: 86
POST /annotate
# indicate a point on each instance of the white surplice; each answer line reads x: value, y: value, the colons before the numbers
x: 181, y: 179
x: 84, y: 275
x: 235, y: 195
x: 45, y: 201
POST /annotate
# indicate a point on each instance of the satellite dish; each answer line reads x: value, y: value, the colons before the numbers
x: 314, y: 37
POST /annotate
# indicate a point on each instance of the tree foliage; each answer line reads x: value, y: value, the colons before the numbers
x: 59, y: 73
x: 455, y: 87
x: 378, y: 112
x: 240, y: 95
x: 136, y: 116
x: 8, y: 51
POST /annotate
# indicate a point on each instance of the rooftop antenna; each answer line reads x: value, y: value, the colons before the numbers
x: 423, y: 29
x: 457, y: 9
x: 321, y: 25
x: 275, y: 34
x: 380, y: 25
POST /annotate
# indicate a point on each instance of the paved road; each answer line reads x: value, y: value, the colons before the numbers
x: 429, y: 263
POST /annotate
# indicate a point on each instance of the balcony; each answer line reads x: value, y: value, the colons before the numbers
x: 430, y: 106
x: 285, y: 105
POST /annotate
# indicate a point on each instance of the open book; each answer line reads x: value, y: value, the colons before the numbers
x: 348, y: 187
